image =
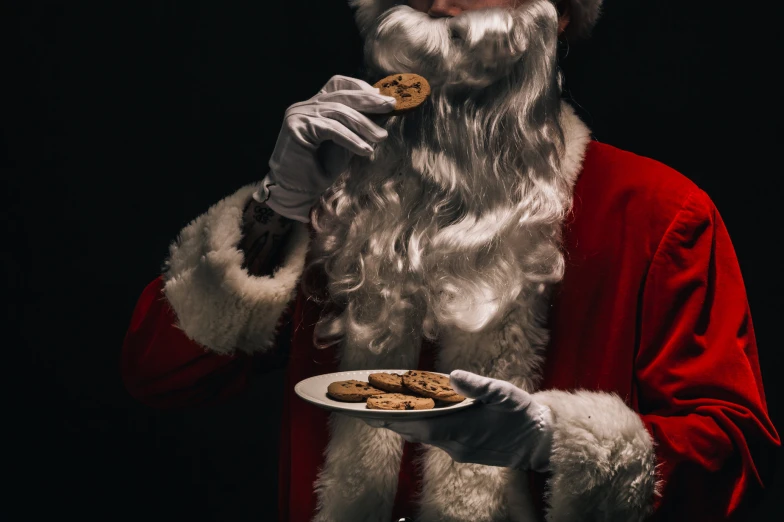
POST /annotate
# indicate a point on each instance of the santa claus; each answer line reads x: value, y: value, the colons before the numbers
x: 587, y: 298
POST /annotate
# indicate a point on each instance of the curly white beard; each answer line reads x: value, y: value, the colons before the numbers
x: 460, y: 209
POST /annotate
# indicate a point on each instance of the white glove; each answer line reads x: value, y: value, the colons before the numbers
x: 300, y: 168
x: 506, y: 427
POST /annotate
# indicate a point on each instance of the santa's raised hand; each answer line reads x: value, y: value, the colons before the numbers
x: 505, y: 427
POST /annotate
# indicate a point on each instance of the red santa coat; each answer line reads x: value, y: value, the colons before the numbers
x: 652, y: 308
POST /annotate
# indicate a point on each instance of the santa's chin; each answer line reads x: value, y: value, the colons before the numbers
x: 472, y: 50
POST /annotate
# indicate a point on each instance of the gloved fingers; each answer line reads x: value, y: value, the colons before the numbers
x: 404, y: 429
x: 353, y: 120
x: 457, y: 451
x: 363, y: 101
x: 411, y: 439
x: 311, y: 128
x: 428, y: 431
x: 414, y: 438
x: 406, y: 434
x: 313, y: 131
x: 340, y: 82
x: 491, y: 392
x: 334, y: 158
x: 466, y: 454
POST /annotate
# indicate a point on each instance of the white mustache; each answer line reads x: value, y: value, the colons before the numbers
x: 473, y: 49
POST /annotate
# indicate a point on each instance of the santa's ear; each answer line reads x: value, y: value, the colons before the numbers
x: 577, y: 17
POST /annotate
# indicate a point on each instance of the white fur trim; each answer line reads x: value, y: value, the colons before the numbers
x: 345, y: 489
x: 218, y: 304
x: 359, y: 478
x: 603, y: 462
x: 576, y: 138
x: 464, y: 492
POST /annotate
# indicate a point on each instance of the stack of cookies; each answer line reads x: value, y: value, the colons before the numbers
x: 414, y: 390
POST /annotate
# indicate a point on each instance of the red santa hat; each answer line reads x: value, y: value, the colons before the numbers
x: 583, y: 14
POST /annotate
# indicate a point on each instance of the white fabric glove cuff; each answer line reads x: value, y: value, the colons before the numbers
x: 540, y: 455
x: 286, y: 201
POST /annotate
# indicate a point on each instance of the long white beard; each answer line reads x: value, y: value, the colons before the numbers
x: 460, y: 209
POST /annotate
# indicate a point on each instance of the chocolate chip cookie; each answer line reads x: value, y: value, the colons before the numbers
x: 410, y: 90
x: 390, y: 382
x: 431, y: 385
x: 399, y: 401
x: 352, y: 391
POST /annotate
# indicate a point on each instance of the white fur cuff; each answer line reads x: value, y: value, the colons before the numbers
x: 602, y: 461
x: 218, y: 304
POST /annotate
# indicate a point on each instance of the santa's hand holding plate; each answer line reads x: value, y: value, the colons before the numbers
x: 506, y: 427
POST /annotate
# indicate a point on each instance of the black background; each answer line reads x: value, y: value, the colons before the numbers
x: 122, y: 121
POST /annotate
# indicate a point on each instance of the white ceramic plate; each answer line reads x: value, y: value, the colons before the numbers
x: 314, y: 390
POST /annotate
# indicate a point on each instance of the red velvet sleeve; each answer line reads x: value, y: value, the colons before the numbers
x: 163, y: 368
x: 698, y: 374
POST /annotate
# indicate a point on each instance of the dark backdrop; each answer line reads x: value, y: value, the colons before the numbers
x: 124, y: 120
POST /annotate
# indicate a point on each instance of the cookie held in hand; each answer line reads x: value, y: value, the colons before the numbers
x: 399, y: 401
x: 431, y: 385
x: 352, y: 391
x: 409, y: 90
